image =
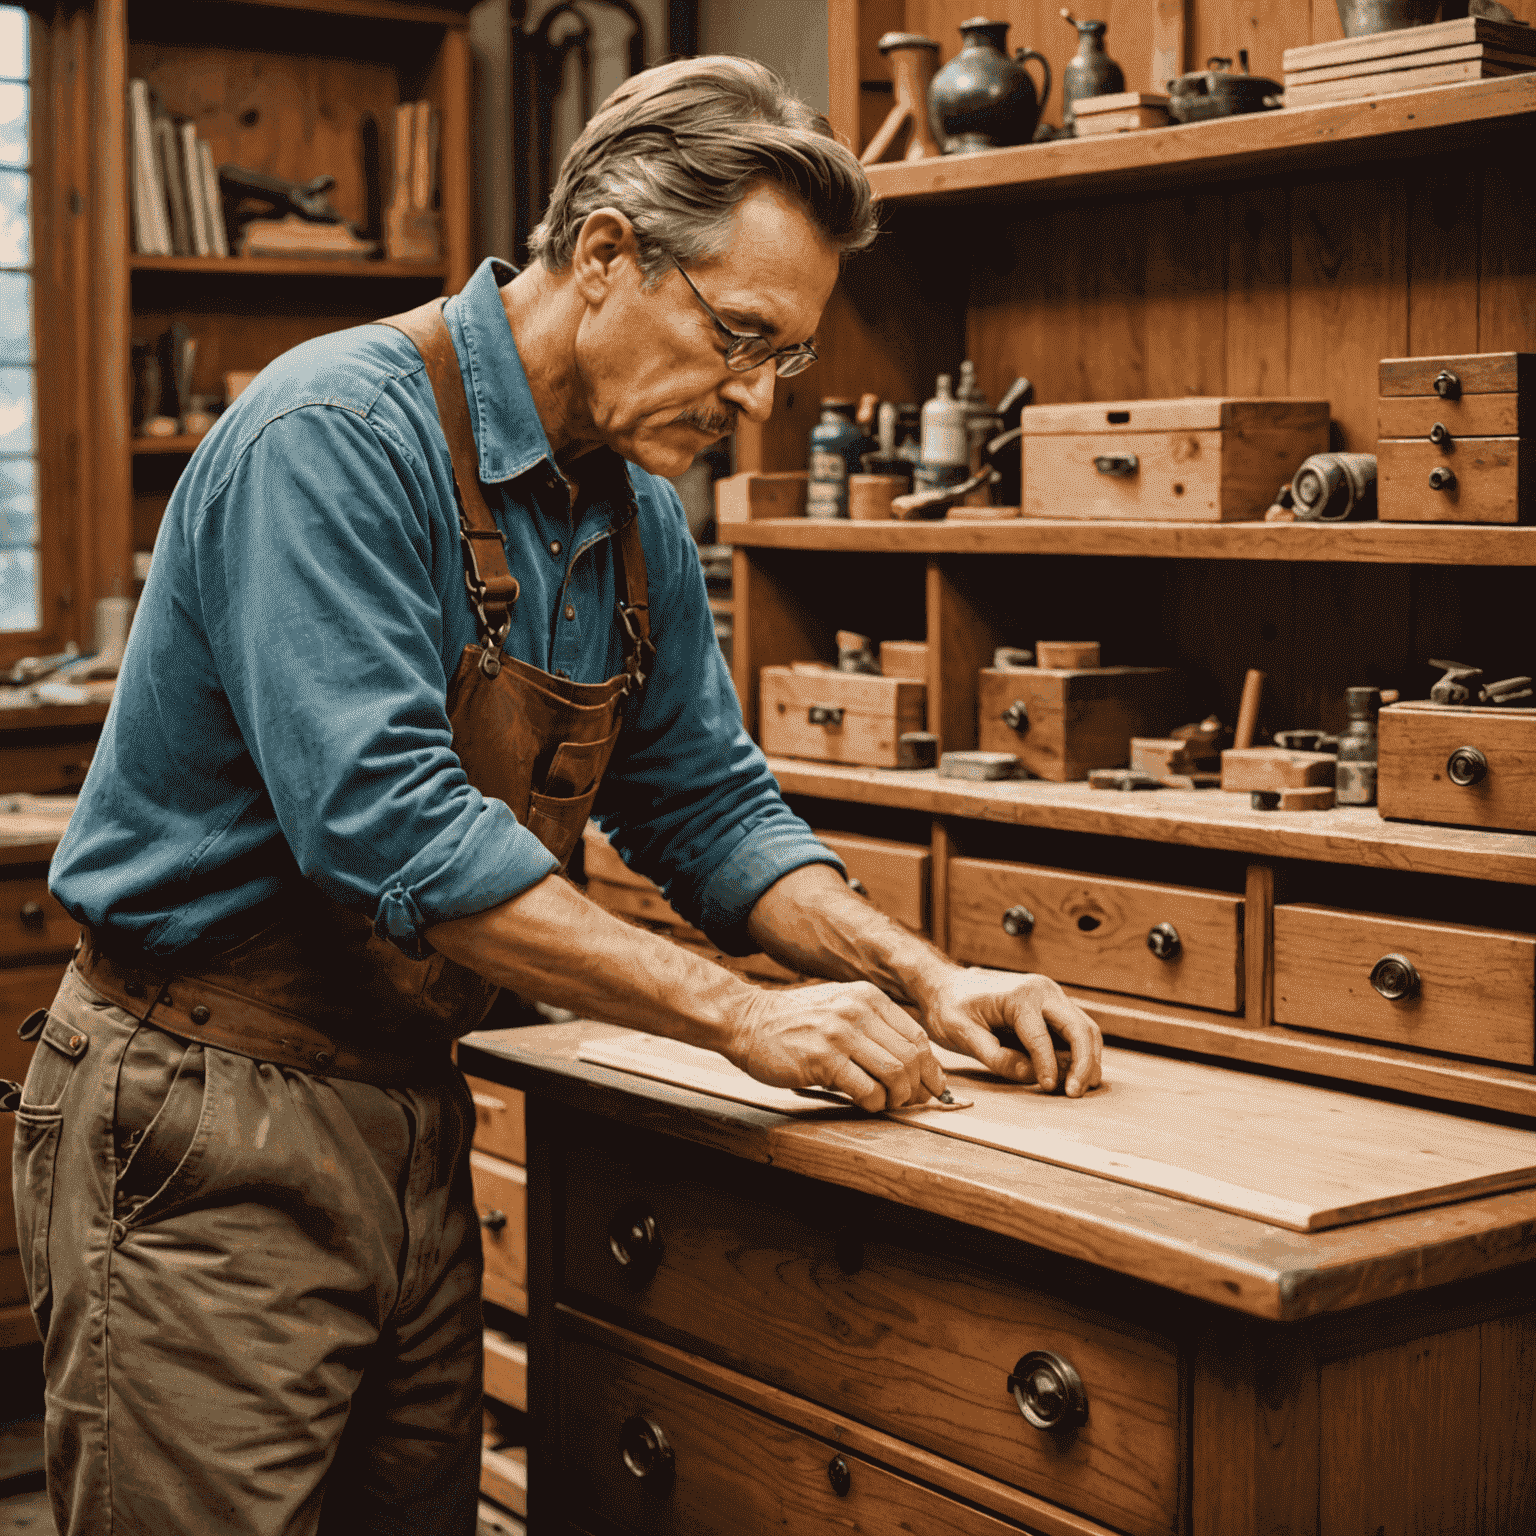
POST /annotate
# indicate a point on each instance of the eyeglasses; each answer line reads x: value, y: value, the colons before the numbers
x: 744, y: 351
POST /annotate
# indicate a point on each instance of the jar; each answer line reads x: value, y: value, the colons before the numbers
x: 837, y: 444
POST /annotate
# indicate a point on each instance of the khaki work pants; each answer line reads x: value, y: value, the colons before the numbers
x: 259, y: 1291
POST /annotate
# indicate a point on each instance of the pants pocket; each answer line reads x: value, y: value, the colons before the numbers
x: 32, y: 1178
x: 163, y: 1147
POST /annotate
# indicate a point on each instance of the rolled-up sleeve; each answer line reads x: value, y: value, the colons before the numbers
x: 690, y: 800
x: 313, y: 568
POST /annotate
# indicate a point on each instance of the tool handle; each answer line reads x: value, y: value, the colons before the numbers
x: 1248, y: 710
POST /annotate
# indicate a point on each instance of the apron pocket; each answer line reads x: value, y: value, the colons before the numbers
x: 576, y: 767
x: 558, y: 823
x: 36, y: 1154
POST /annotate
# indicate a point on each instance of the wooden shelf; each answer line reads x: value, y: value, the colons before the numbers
x: 182, y: 443
x: 1259, y: 144
x: 370, y: 10
x: 286, y: 266
x: 1350, y: 543
x: 1195, y: 818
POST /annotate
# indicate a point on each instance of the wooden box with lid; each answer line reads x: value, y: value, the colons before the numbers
x: 839, y: 717
x: 1458, y: 439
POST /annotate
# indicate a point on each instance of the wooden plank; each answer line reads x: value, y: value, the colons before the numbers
x: 1257, y: 335
x: 1383, y: 69
x: 1284, y: 1153
x: 237, y: 267
x: 1506, y: 298
x: 843, y: 71
x: 1202, y: 819
x: 1443, y: 211
x: 506, y: 1369
x: 1259, y: 945
x: 1168, y: 34
x: 1404, y: 42
x: 449, y: 88
x: 960, y: 642
x: 772, y: 628
x: 1375, y: 86
x: 941, y: 846
x: 1346, y: 543
x: 1185, y: 295
x: 1506, y: 1411
x: 498, y: 1120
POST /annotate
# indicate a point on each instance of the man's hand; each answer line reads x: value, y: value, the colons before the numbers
x: 969, y: 1009
x: 844, y: 1035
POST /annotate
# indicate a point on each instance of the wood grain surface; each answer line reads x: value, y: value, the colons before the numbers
x: 1413, y: 782
x: 498, y: 1120
x: 1093, y: 931
x: 1289, y: 1154
x: 1480, y: 373
x: 1471, y: 416
x: 1493, y: 481
x: 506, y: 1370
x: 913, y: 1343
x: 1477, y: 992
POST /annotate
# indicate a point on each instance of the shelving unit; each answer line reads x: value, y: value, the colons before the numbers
x: 1283, y: 254
x: 237, y: 267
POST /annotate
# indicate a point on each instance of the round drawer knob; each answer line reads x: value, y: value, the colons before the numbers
x: 1447, y: 385
x: 634, y: 1240
x: 647, y: 1453
x: 1466, y: 766
x: 1395, y: 977
x: 1439, y: 434
x: 840, y: 1476
x: 1016, y: 716
x: 493, y: 1220
x: 32, y: 915
x: 1164, y: 941
x: 1442, y: 479
x: 1018, y: 922
x: 1049, y: 1391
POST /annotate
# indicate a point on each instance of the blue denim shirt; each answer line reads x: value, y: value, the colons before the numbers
x: 281, y: 712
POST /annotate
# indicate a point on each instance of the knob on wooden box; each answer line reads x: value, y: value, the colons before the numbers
x: 1457, y: 439
x: 1458, y: 765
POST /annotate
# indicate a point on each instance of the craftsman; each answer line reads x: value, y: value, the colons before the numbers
x: 331, y: 806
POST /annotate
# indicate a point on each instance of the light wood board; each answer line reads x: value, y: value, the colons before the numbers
x: 1285, y: 1153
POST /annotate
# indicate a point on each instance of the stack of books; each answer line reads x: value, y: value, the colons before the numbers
x: 1410, y: 59
x: 173, y: 184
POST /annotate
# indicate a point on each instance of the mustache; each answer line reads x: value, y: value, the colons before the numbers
x: 716, y: 423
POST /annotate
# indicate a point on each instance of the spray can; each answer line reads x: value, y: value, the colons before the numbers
x: 946, y: 453
x: 837, y: 443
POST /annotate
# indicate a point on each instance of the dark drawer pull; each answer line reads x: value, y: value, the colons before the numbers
x: 1395, y: 977
x: 1016, y: 716
x: 1466, y: 766
x: 32, y: 915
x: 840, y: 1476
x: 1447, y: 385
x: 824, y: 714
x: 1164, y: 941
x: 493, y: 1220
x: 1048, y: 1391
x: 1442, y: 479
x: 1018, y: 922
x: 647, y: 1453
x: 1439, y: 435
x: 634, y: 1240
x: 1118, y: 465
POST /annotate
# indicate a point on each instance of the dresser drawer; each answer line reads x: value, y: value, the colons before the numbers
x: 501, y: 1197
x: 46, y: 768
x: 1472, y: 480
x: 1491, y: 753
x: 916, y: 1343
x: 506, y: 1370
x: 894, y: 875
x: 32, y: 922
x: 1093, y: 931
x: 1471, y: 991
x: 498, y: 1120
x: 655, y: 1453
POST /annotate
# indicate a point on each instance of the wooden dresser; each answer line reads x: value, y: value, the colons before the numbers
x: 742, y: 1322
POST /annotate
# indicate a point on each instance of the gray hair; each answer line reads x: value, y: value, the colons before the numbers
x: 676, y: 148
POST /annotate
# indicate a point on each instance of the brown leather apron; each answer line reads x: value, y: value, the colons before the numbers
x: 319, y: 989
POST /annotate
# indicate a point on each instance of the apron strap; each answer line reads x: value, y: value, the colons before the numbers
x: 492, y: 586
x: 633, y: 603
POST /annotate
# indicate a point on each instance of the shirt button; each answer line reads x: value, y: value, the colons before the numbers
x: 555, y: 546
x: 570, y: 610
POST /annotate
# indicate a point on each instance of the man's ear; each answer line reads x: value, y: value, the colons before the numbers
x: 606, y: 248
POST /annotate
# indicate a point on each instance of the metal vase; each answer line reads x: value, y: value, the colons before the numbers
x: 1360, y: 18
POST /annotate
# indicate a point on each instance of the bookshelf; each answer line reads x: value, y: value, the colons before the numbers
x: 284, y: 87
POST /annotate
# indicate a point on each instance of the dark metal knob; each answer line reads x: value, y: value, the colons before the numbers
x: 1442, y: 479
x: 1049, y: 1391
x: 647, y: 1453
x: 1466, y: 766
x: 32, y: 915
x: 824, y: 714
x: 1164, y: 941
x: 1447, y: 385
x: 1117, y: 465
x: 839, y: 1475
x: 1018, y: 922
x: 1395, y: 977
x: 1016, y: 716
x: 493, y: 1220
x: 634, y: 1240
x: 1439, y: 435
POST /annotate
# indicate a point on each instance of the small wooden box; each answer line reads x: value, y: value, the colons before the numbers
x: 1122, y: 112
x: 838, y: 717
x: 1475, y: 993
x: 1205, y: 459
x: 751, y: 497
x: 1467, y: 456
x: 1417, y: 743
x: 895, y: 875
x: 1073, y: 721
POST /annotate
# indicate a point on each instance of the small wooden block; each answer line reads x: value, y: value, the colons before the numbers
x: 1248, y: 768
x: 1190, y: 780
x: 978, y: 765
x: 811, y: 668
x: 1118, y: 101
x: 904, y: 658
x: 1122, y: 779
x: 1131, y: 121
x: 1069, y: 655
x: 1318, y: 798
x: 1160, y: 755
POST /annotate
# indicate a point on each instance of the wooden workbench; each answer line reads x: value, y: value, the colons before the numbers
x: 840, y: 1303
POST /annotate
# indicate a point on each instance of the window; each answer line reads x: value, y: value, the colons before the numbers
x: 19, y: 601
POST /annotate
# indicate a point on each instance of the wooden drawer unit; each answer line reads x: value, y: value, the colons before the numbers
x: 1201, y: 459
x: 1436, y: 986
x: 917, y: 1344
x: 501, y: 1197
x: 1457, y: 766
x: 506, y: 1370
x: 1093, y: 931
x: 32, y: 922
x: 1063, y: 723
x: 1471, y: 480
x: 656, y: 1453
x: 838, y: 717
x: 498, y: 1120
x: 894, y: 875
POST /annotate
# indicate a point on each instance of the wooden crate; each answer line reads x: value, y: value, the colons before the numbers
x: 866, y: 716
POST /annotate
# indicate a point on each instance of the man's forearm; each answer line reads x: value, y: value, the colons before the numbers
x: 812, y: 922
